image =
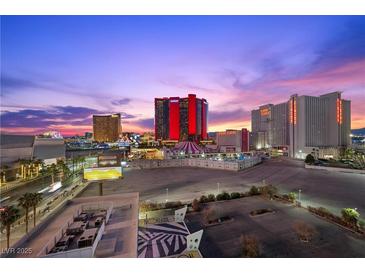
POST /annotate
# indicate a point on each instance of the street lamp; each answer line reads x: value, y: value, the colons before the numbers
x: 299, y: 191
x: 167, y: 194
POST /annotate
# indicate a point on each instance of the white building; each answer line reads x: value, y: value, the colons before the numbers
x: 27, y: 147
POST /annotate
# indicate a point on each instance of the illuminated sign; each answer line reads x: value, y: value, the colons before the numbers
x: 228, y: 132
x: 339, y: 110
x: 293, y: 111
x: 103, y: 173
x: 265, y: 111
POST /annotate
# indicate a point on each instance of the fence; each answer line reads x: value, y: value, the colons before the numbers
x: 196, y: 162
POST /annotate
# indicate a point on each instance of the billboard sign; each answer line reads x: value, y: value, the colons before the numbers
x: 103, y: 173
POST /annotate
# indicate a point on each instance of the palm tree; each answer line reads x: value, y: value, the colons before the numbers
x: 65, y: 170
x: 36, y: 199
x: 2, y: 177
x: 82, y: 160
x: 38, y: 163
x: 53, y: 171
x: 22, y: 163
x: 8, y: 216
x: 25, y: 201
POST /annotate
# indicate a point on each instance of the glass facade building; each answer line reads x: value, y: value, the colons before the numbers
x: 181, y: 119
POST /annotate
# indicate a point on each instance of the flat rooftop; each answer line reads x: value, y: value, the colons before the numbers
x: 120, y: 234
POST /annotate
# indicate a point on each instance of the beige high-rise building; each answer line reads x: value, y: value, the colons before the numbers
x: 107, y: 128
x: 319, y: 125
x: 270, y: 126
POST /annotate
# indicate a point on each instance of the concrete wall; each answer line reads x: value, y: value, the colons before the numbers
x: 348, y: 170
x: 192, y: 162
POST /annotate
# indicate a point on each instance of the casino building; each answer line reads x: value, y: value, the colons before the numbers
x: 107, y: 128
x: 317, y: 125
x: 233, y: 141
x: 181, y: 119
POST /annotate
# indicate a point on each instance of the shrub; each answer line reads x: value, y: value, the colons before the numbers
x: 250, y: 246
x: 203, y: 199
x: 261, y: 211
x: 254, y: 191
x: 304, y: 231
x: 362, y: 224
x: 235, y: 195
x: 211, y: 198
x: 309, y: 159
x: 223, y: 196
x: 350, y: 215
x: 173, y: 204
x: 268, y: 191
x: 195, y: 205
x: 292, y: 196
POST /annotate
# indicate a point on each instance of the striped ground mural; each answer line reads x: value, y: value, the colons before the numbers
x: 161, y: 240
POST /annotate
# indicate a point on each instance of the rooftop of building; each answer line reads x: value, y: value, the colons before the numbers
x: 16, y: 141
x: 119, y: 235
x: 176, y: 97
x: 107, y: 115
x: 47, y: 148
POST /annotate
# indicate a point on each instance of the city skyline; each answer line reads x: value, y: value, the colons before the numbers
x: 59, y: 71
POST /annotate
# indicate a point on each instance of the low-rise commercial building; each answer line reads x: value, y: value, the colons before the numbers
x: 26, y: 147
x: 232, y: 140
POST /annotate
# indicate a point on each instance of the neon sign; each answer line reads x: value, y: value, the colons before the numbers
x: 339, y: 110
x: 293, y: 111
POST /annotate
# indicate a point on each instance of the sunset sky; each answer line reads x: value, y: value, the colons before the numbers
x: 58, y: 71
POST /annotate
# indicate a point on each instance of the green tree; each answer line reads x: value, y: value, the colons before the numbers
x: 292, y: 196
x: 25, y: 201
x: 203, y: 199
x: 53, y: 170
x: 36, y: 199
x: 350, y: 215
x: 211, y: 198
x: 359, y: 160
x: 223, y: 196
x: 309, y: 159
x: 268, y: 191
x: 62, y: 166
x: 8, y: 216
x: 254, y: 191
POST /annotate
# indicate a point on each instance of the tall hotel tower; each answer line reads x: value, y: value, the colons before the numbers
x: 316, y: 123
x: 181, y: 119
x: 107, y: 128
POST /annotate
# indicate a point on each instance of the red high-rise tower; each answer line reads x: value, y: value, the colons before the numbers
x: 181, y: 119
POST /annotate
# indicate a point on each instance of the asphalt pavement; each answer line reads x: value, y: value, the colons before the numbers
x: 334, y: 190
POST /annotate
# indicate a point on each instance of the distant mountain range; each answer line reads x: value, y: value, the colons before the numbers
x: 359, y: 131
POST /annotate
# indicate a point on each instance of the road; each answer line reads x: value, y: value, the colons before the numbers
x: 319, y: 188
x: 44, y: 184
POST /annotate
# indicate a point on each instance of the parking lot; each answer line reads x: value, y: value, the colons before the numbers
x: 334, y: 190
x: 274, y: 232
